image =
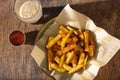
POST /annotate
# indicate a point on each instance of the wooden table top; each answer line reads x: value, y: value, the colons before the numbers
x: 16, y: 63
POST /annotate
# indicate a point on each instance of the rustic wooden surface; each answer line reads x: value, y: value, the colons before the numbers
x: 16, y: 62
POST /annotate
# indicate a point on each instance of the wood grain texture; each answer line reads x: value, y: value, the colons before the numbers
x: 16, y: 62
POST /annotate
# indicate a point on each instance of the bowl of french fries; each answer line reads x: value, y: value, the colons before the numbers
x: 70, y: 49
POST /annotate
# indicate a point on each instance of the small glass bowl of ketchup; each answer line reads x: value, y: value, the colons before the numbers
x: 17, y: 38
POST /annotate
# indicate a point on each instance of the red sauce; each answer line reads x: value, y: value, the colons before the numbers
x: 17, y: 38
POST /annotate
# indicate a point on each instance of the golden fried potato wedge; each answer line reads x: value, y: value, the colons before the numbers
x: 50, y: 38
x: 74, y: 60
x: 50, y: 58
x: 53, y: 41
x: 91, y: 51
x: 62, y: 28
x: 70, y: 28
x: 76, y: 68
x: 70, y: 57
x: 85, y: 61
x: 64, y: 41
x: 91, y: 41
x: 67, y: 67
x: 80, y: 34
x: 86, y: 35
x: 66, y: 49
x: 56, y: 67
x: 62, y: 60
x: 81, y: 58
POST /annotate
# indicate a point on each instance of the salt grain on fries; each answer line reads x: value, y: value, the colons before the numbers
x: 70, y: 49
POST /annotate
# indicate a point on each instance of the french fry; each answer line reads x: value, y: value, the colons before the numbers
x: 80, y: 34
x: 53, y: 41
x: 91, y: 51
x: 50, y: 58
x: 67, y: 54
x: 91, y: 46
x: 85, y: 61
x: 50, y: 54
x: 76, y: 68
x: 69, y: 40
x: 56, y: 67
x: 74, y: 61
x: 62, y: 59
x: 81, y: 58
x: 75, y: 39
x: 67, y: 67
x: 91, y: 40
x: 58, y: 42
x: 86, y: 35
x: 63, y: 29
x: 57, y: 59
x: 69, y: 28
x: 66, y: 38
x: 50, y: 38
x: 66, y: 49
x: 70, y: 57
x: 62, y: 33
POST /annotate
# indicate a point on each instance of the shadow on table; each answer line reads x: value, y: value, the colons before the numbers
x: 30, y: 37
x: 49, y: 13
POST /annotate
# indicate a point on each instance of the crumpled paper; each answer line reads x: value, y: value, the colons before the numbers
x: 107, y: 45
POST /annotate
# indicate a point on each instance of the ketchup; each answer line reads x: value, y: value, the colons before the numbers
x: 17, y: 38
